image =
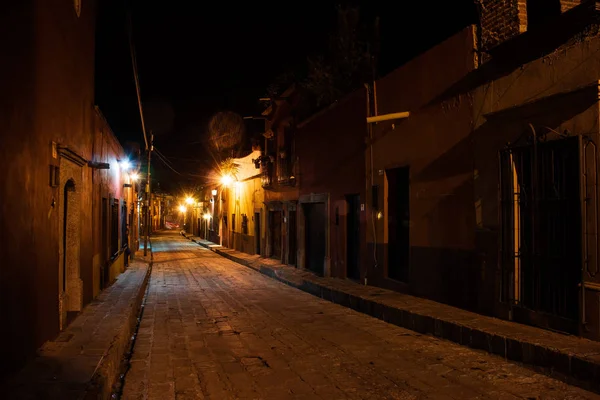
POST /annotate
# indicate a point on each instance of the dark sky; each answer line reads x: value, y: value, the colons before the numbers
x: 196, y: 58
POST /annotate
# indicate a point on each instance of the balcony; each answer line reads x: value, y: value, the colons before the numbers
x: 285, y: 169
x: 266, y: 173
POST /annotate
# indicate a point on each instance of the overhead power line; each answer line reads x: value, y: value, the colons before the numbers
x: 136, y: 77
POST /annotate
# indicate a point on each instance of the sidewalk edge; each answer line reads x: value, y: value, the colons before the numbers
x: 109, y: 370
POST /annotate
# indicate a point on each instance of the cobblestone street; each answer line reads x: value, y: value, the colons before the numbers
x: 215, y: 329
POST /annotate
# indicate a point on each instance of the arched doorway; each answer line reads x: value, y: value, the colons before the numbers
x: 69, y: 273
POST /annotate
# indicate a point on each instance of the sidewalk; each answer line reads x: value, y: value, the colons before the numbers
x: 566, y: 357
x: 85, y: 360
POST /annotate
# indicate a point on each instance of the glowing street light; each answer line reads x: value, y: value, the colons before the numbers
x: 125, y: 165
x: 182, y: 208
x: 206, y: 216
x: 226, y: 180
x: 189, y: 200
x: 134, y: 177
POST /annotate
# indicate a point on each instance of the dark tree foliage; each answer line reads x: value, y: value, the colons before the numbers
x: 226, y: 131
x: 347, y: 64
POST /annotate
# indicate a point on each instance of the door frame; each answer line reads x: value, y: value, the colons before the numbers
x: 301, y: 221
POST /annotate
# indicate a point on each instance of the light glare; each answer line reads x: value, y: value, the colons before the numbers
x: 125, y: 165
x: 226, y: 180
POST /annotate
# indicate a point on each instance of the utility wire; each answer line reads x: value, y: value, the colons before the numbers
x: 150, y: 144
x: 163, y: 156
x: 136, y: 77
x: 166, y: 162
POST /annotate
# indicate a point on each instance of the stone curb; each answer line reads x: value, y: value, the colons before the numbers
x: 582, y: 370
x: 109, y: 370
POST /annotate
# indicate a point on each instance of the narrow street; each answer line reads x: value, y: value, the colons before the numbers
x: 215, y: 329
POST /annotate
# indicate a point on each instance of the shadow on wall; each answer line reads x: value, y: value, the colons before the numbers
x: 465, y: 278
x: 525, y: 48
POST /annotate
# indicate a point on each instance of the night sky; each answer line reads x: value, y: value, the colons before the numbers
x: 197, y: 58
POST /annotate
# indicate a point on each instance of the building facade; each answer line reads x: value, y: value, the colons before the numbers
x: 331, y: 179
x: 536, y: 203
x: 484, y: 197
x: 279, y: 170
x: 244, y: 206
x: 52, y: 252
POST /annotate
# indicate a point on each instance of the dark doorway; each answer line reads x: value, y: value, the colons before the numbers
x: 541, y: 232
x: 275, y: 234
x: 316, y: 228
x: 105, y: 247
x: 257, y: 231
x: 67, y: 231
x: 398, y: 223
x: 292, y: 237
x: 353, y: 236
x: 114, y: 229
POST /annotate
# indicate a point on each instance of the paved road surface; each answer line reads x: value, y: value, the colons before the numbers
x: 213, y: 329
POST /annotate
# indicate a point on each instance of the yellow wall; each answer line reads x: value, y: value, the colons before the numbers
x: 117, y: 267
x: 244, y: 197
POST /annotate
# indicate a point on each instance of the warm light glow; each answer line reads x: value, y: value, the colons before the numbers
x: 214, y: 192
x: 125, y: 165
x: 134, y: 177
x: 226, y: 180
x: 182, y: 208
x: 189, y: 200
x: 206, y: 216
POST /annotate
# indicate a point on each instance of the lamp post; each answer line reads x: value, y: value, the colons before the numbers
x: 206, y: 217
x: 182, y: 210
x: 190, y: 202
x: 212, y: 222
x: 226, y: 181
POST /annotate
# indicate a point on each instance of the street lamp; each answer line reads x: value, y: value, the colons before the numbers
x: 226, y: 180
x: 189, y: 200
x: 125, y: 165
x: 182, y: 210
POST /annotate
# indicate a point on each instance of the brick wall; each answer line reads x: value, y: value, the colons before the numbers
x: 503, y: 19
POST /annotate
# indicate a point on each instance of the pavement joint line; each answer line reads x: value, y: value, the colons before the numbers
x: 581, y: 369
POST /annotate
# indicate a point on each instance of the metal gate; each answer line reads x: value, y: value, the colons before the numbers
x: 541, y: 247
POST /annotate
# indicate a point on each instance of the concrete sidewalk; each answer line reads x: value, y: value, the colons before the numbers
x: 85, y: 360
x: 569, y: 358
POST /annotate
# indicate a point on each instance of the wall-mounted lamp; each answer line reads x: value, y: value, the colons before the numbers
x: 125, y: 165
